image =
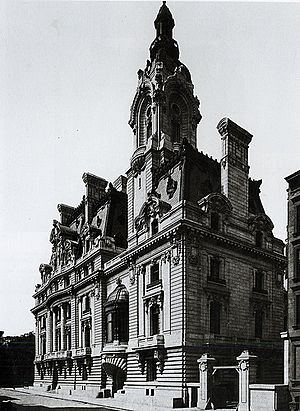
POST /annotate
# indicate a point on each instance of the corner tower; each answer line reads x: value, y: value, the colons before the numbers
x: 164, y: 112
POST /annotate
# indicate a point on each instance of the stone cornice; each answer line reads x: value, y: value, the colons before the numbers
x: 170, y: 231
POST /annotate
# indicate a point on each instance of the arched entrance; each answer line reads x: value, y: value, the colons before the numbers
x: 115, y: 368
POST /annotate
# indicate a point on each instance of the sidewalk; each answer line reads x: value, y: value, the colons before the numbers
x: 80, y: 401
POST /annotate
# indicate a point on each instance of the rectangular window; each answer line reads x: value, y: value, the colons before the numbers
x: 154, y: 319
x: 214, y: 269
x: 154, y: 273
x: 258, y: 324
x: 215, y: 317
x: 297, y: 310
x: 298, y: 219
x: 297, y: 264
x: 258, y: 280
x: 150, y: 369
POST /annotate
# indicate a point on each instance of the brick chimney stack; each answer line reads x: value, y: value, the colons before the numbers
x: 95, y: 190
x: 234, y: 166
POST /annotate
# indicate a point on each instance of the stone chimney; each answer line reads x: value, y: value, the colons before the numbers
x: 66, y: 213
x: 234, y: 166
x: 95, y: 190
x: 120, y: 183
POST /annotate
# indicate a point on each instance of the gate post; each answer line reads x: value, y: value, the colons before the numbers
x: 247, y: 375
x: 205, y: 371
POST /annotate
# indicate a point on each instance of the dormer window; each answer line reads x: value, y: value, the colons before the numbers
x: 154, y: 226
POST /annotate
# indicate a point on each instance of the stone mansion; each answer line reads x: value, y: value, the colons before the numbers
x: 173, y: 260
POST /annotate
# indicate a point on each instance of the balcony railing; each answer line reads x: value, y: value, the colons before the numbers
x: 152, y: 341
x: 82, y: 352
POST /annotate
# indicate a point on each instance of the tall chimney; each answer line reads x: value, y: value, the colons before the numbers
x: 234, y: 166
x: 95, y: 190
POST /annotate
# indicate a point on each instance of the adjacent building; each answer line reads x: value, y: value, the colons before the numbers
x: 292, y: 337
x: 174, y: 260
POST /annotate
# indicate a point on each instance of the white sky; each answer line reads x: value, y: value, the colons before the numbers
x: 67, y: 80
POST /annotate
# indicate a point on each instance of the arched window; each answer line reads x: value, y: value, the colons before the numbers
x: 175, y: 123
x: 154, y: 319
x: 215, y: 317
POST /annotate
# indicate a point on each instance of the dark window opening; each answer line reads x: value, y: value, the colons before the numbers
x: 175, y: 131
x: 215, y: 269
x: 84, y: 372
x: 259, y: 239
x: 69, y: 339
x: 297, y: 260
x: 258, y: 324
x: 67, y: 281
x: 117, y: 325
x: 215, y: 221
x: 87, y: 337
x: 298, y: 219
x: 154, y: 273
x: 154, y: 227
x: 215, y: 317
x: 297, y: 310
x: 154, y: 319
x: 68, y: 311
x: 259, y: 280
x: 86, y: 304
x: 150, y: 369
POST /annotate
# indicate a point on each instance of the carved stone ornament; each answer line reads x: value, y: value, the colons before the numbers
x: 171, y: 187
x: 216, y: 202
x: 260, y: 222
x: 152, y: 208
x: 193, y: 255
x: 141, y: 361
x: 160, y: 356
x: 244, y: 365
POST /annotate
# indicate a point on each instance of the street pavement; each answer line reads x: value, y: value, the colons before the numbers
x: 26, y: 399
x: 32, y: 399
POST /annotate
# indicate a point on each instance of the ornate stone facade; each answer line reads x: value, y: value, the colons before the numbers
x: 176, y: 259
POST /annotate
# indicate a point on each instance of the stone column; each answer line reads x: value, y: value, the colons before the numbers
x: 92, y: 299
x: 48, y: 331
x: 205, y: 371
x: 247, y: 375
x: 53, y: 332
x: 62, y: 328
x: 37, y: 336
x: 79, y: 322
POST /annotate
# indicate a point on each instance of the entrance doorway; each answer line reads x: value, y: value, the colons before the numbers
x: 225, y: 387
x: 54, y: 377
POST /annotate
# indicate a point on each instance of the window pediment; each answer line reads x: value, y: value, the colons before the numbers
x: 216, y: 202
x: 151, y: 209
